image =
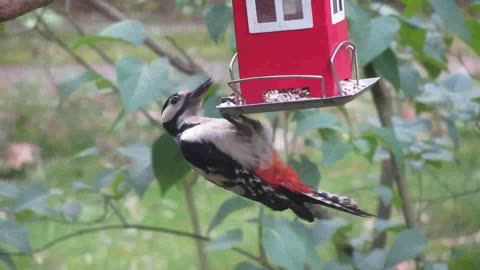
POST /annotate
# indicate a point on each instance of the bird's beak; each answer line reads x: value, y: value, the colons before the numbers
x: 197, y: 94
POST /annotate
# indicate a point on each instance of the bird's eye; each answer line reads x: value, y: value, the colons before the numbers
x: 174, y: 100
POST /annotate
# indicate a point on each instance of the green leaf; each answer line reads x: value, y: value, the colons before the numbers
x: 317, y: 120
x: 386, y: 66
x: 373, y: 261
x: 435, y: 47
x: 228, y: 207
x: 139, y: 83
x: 233, y: 39
x: 33, y: 198
x: 225, y: 241
x: 409, y: 81
x: 336, y: 265
x: 435, y: 266
x: 137, y: 153
x: 14, y: 235
x: 413, y: 35
x: 128, y: 30
x: 81, y: 186
x: 388, y: 139
x: 325, y: 229
x: 283, y: 247
x: 366, y: 146
x: 412, y: 7
x: 409, y: 244
x: 68, y: 87
x: 8, y: 190
x: 381, y: 33
x: 307, y: 171
x: 452, y: 17
x: 388, y: 225
x: 106, y: 178
x: 248, y: 266
x: 89, y: 40
x: 6, y: 259
x: 474, y: 27
x: 72, y: 211
x: 139, y: 177
x: 91, y: 151
x: 165, y: 156
x: 452, y: 130
x: 458, y: 82
x: 218, y: 19
x: 334, y: 150
x: 139, y: 173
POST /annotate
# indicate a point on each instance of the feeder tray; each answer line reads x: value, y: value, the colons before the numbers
x: 296, y: 98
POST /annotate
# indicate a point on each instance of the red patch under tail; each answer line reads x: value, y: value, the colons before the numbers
x: 279, y: 174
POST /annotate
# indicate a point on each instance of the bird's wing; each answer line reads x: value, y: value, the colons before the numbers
x: 222, y: 170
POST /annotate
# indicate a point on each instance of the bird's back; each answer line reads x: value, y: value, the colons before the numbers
x: 250, y: 150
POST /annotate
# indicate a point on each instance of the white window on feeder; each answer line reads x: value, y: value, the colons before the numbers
x: 279, y: 15
x: 338, y: 11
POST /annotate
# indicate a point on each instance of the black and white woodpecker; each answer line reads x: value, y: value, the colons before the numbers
x: 236, y: 153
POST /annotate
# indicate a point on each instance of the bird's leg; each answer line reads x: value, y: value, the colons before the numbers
x: 239, y: 122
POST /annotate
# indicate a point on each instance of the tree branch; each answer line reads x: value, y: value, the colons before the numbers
x: 452, y: 196
x: 124, y: 227
x: 261, y: 249
x: 10, y: 9
x: 390, y: 170
x: 117, y: 213
x: 114, y: 14
x: 193, y: 213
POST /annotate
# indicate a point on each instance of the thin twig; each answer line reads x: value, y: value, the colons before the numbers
x: 263, y: 255
x: 117, y: 213
x: 285, y: 135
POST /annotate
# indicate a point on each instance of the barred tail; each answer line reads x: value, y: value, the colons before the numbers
x: 342, y: 203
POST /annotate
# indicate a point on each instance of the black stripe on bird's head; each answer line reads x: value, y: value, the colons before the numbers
x: 181, y: 105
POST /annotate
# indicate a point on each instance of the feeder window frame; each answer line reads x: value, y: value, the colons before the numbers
x: 338, y: 10
x: 281, y: 24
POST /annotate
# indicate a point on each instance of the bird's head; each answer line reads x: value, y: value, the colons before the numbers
x: 182, y: 105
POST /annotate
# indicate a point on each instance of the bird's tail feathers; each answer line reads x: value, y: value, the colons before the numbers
x: 342, y: 203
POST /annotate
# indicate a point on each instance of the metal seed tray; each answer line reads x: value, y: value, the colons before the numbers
x: 364, y: 84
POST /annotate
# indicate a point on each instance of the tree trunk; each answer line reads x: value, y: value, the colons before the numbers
x: 10, y: 9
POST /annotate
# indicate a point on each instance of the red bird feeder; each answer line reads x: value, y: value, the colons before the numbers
x: 292, y: 54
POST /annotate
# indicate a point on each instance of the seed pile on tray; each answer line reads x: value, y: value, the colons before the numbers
x: 286, y: 95
x: 350, y: 87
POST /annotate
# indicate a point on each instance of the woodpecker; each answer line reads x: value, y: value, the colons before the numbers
x: 236, y: 153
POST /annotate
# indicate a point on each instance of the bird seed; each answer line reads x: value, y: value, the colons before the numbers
x: 286, y: 95
x: 350, y: 87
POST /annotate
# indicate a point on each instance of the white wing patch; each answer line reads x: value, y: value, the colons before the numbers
x: 248, y: 151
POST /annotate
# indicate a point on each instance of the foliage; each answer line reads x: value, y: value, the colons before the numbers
x: 407, y: 46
